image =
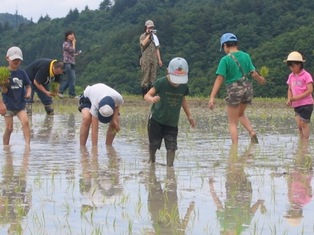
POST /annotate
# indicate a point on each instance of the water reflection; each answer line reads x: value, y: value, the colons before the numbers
x: 236, y: 213
x: 163, y: 204
x: 299, y: 184
x: 71, y: 126
x: 15, y: 199
x: 45, y: 130
x: 99, y: 185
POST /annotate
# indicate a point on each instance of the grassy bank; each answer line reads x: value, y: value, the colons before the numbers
x: 70, y: 105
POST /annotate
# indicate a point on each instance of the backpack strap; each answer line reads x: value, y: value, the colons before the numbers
x: 144, y: 48
x: 239, y: 65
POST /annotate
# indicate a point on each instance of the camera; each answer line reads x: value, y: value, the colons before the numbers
x: 153, y: 31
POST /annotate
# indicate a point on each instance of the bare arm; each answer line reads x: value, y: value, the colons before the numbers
x: 114, y: 127
x: 28, y: 92
x: 260, y: 79
x: 150, y: 96
x: 187, y: 112
x: 145, y: 40
x: 42, y: 88
x: 159, y: 57
x: 218, y: 82
x: 3, y: 108
x: 289, y: 95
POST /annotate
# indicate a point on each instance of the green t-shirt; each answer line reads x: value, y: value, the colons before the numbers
x: 167, y: 110
x: 229, y: 69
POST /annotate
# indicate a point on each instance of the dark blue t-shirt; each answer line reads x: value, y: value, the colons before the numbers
x: 14, y: 98
x: 39, y: 70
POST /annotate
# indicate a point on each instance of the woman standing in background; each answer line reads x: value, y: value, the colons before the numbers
x: 69, y: 54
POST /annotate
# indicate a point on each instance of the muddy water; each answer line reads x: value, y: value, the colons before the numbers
x: 57, y: 187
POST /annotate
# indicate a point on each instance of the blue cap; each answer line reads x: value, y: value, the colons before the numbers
x: 227, y: 37
x: 106, y: 109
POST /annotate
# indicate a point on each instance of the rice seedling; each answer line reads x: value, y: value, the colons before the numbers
x: 4, y: 76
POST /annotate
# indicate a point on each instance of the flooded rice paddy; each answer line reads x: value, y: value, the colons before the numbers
x: 57, y: 187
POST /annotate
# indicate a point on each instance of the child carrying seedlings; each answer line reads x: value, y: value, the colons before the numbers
x: 300, y: 88
x: 168, y: 96
x: 14, y: 94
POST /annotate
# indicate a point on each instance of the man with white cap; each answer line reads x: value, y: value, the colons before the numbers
x: 150, y: 56
x: 168, y: 96
x: 99, y: 102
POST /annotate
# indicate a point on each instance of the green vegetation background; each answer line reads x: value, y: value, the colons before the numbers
x: 109, y: 38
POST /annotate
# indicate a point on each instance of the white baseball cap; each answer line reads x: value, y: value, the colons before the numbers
x: 178, y: 70
x: 106, y: 109
x: 14, y: 53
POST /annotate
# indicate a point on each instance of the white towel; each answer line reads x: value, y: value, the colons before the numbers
x: 155, y: 40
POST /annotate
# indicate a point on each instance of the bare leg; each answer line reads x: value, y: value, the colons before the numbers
x: 298, y: 121
x: 85, y: 125
x: 246, y: 123
x: 22, y: 115
x: 233, y: 118
x: 152, y: 155
x: 170, y: 157
x: 8, y: 129
x: 305, y: 130
x: 95, y: 129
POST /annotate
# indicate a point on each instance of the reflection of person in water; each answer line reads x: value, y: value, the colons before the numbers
x: 163, y: 204
x: 15, y: 200
x: 45, y: 130
x: 299, y: 184
x: 71, y: 126
x: 100, y: 186
x: 236, y: 213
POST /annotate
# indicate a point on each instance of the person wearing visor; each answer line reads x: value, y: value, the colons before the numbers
x: 99, y: 103
x: 168, y: 96
x: 235, y: 71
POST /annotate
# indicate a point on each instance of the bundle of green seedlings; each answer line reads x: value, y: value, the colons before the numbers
x: 4, y: 76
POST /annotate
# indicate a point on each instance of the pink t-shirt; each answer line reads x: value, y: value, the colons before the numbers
x: 298, y: 84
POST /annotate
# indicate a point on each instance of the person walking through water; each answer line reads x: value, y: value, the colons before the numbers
x: 300, y: 89
x: 150, y: 56
x: 167, y: 96
x: 236, y: 71
x: 69, y: 53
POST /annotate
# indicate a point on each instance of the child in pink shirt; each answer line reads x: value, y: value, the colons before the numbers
x: 300, y: 88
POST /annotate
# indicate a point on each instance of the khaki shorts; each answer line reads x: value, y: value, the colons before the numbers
x: 10, y: 113
x: 239, y: 92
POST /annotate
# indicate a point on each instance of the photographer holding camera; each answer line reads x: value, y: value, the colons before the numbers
x: 150, y: 56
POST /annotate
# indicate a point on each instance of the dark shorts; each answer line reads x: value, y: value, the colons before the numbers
x: 305, y: 112
x: 84, y: 102
x: 157, y: 132
x: 239, y: 92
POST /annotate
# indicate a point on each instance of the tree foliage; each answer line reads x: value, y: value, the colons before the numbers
x: 109, y: 38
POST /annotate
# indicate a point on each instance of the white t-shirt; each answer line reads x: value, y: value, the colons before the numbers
x: 97, y: 92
